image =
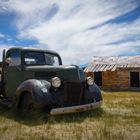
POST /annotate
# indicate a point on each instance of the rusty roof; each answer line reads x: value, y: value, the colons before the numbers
x: 111, y: 67
x: 113, y: 63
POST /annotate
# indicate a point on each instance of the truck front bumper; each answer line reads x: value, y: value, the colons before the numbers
x: 78, y: 108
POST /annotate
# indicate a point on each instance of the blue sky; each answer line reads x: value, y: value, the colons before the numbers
x: 77, y: 29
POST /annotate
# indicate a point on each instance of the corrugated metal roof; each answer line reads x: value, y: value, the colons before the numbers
x: 114, y: 68
x: 113, y: 63
x: 111, y: 67
x: 107, y: 67
x: 103, y: 67
x: 99, y: 67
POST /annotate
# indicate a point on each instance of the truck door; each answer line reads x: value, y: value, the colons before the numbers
x: 13, y: 74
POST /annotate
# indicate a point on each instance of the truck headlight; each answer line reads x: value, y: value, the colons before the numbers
x: 56, y: 82
x: 90, y: 81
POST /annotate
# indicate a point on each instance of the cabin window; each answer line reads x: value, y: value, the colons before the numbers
x: 98, y: 78
x: 134, y: 79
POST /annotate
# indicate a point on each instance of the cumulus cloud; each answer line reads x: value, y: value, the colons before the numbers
x: 2, y: 35
x: 6, y: 47
x: 78, y: 29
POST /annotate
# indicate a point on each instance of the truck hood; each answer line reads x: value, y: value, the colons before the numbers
x: 48, y: 68
x: 65, y: 72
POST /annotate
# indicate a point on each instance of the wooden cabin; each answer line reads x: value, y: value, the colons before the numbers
x: 120, y: 75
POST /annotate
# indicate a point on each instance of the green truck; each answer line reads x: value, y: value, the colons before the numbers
x: 34, y: 78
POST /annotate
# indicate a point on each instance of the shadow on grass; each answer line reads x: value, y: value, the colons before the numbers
x: 39, y: 117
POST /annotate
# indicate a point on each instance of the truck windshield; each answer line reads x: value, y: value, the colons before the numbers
x: 40, y: 58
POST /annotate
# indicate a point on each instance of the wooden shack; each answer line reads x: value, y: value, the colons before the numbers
x: 116, y: 75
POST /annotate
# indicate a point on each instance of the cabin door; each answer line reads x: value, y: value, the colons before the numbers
x: 98, y: 78
x: 134, y: 79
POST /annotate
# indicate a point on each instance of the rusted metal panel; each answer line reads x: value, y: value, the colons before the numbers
x: 114, y: 68
x: 126, y: 65
x: 111, y: 66
x: 103, y: 66
x: 98, y: 69
x: 89, y: 68
x: 136, y: 65
x: 132, y: 65
x: 106, y: 68
x: 121, y: 65
x: 79, y: 108
x: 94, y: 69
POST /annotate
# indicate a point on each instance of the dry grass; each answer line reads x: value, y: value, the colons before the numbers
x: 118, y: 119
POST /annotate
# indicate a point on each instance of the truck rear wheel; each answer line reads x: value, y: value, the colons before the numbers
x: 27, y: 103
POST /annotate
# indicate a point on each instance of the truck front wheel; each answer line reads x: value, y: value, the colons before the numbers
x: 27, y: 103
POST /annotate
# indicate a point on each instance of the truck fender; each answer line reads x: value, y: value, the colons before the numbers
x: 93, y: 93
x: 37, y: 88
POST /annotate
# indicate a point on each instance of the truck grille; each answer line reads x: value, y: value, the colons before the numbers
x: 74, y: 93
x: 45, y: 75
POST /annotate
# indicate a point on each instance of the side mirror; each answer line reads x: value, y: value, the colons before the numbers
x: 8, y: 60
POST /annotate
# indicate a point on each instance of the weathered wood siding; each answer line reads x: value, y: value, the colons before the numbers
x: 117, y: 80
x: 90, y: 74
x: 123, y: 79
x: 109, y: 79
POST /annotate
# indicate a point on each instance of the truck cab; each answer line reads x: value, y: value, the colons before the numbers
x: 37, y: 78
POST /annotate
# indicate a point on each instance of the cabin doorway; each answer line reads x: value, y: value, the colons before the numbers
x: 134, y: 79
x: 98, y: 78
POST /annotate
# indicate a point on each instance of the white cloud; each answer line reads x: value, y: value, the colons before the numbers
x: 2, y: 35
x: 2, y: 47
x: 64, y: 26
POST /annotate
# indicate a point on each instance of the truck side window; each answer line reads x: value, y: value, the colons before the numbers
x: 34, y: 58
x: 51, y: 60
x: 56, y: 61
x: 15, y: 57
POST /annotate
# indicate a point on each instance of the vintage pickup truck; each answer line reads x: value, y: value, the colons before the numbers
x: 32, y: 78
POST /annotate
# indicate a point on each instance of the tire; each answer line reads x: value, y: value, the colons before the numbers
x: 27, y: 103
